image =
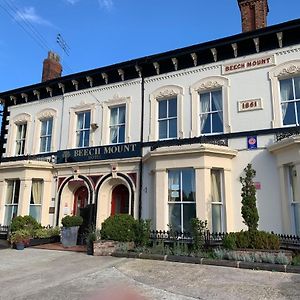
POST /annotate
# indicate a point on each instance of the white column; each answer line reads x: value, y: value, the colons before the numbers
x: 203, y: 194
x: 46, y: 200
x: 161, y: 200
x: 24, y: 197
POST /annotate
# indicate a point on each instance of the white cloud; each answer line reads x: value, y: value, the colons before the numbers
x: 29, y: 14
x: 106, y: 4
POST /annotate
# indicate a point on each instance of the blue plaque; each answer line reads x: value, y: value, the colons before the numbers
x: 252, y: 142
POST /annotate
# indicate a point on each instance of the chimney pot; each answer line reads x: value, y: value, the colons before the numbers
x: 52, y: 67
x: 254, y: 14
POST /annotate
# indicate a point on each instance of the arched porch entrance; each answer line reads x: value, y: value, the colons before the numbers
x: 80, y: 200
x: 120, y: 200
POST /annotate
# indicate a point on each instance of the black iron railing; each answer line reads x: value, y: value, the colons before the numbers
x: 4, y: 232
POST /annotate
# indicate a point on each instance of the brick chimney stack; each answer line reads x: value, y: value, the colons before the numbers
x: 51, y: 67
x: 254, y: 14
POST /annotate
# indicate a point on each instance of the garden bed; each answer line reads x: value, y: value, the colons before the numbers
x: 42, y: 241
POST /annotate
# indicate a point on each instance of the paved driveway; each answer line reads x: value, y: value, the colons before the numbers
x: 45, y: 274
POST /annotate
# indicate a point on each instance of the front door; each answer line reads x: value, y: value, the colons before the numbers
x: 80, y: 200
x: 120, y: 200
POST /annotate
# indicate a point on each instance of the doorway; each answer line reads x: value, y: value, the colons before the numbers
x: 120, y: 200
x: 80, y: 200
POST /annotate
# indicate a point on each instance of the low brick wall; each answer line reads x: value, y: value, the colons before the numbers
x: 106, y: 248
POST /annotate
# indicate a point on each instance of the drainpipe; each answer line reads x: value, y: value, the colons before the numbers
x: 141, y: 141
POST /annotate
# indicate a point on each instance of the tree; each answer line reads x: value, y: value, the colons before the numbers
x: 249, y: 209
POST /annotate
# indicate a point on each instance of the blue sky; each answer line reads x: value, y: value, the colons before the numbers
x: 102, y: 32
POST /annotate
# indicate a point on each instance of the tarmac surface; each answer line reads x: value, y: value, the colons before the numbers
x: 48, y: 274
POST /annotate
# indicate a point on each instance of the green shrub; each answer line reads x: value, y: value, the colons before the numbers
x: 142, y: 232
x: 46, y: 232
x: 119, y: 227
x: 251, y: 240
x: 296, y: 260
x: 198, y: 228
x: 229, y: 241
x: 24, y: 222
x: 70, y: 221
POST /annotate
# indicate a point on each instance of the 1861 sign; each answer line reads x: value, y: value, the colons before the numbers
x: 99, y: 153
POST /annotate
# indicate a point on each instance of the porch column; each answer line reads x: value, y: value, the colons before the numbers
x: 285, y: 201
x: 203, y: 194
x: 24, y: 197
x: 228, y: 202
x: 161, y: 199
x: 46, y: 198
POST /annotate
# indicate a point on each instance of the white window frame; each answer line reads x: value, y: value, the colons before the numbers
x: 73, y: 123
x: 166, y: 92
x: 283, y: 71
x: 47, y: 136
x: 117, y: 100
x: 83, y: 130
x: 181, y: 202
x: 22, y: 139
x: 13, y: 196
x: 117, y: 125
x: 168, y: 119
x: 206, y: 85
x: 222, y: 202
x: 42, y: 192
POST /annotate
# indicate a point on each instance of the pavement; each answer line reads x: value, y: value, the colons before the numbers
x: 48, y: 274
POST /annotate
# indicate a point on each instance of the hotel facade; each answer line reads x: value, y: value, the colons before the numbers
x: 164, y: 137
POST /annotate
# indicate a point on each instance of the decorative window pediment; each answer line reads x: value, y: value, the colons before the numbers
x: 167, y: 91
x: 22, y: 118
x: 210, y: 83
x: 46, y: 114
x: 286, y: 69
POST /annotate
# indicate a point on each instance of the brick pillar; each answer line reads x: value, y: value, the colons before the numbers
x: 51, y: 67
x: 254, y: 14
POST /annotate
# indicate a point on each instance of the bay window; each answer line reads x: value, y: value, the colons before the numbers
x: 36, y: 199
x: 181, y: 198
x: 217, y: 207
x: 12, y: 200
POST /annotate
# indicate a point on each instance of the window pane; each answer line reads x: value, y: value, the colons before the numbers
x: 162, y: 109
x: 205, y: 123
x: 8, y: 214
x: 17, y: 192
x: 189, y: 212
x: 216, y: 195
x: 172, y: 108
x: 216, y: 98
x: 50, y: 123
x: 122, y: 134
x: 175, y: 216
x: 80, y: 120
x: 87, y: 121
x: 286, y: 89
x: 36, y: 192
x: 296, y: 207
x: 114, y: 135
x: 216, y: 217
x: 122, y: 114
x: 188, y: 185
x: 86, y: 138
x: 48, y: 144
x: 174, y: 185
x: 9, y: 192
x: 288, y: 113
x: 204, y: 102
x: 295, y: 189
x: 113, y: 116
x: 44, y: 128
x: 217, y: 123
x: 43, y: 144
x: 35, y: 212
x: 297, y: 87
x: 19, y: 132
x: 162, y: 129
x: 79, y: 139
x: 172, y: 128
x: 24, y: 131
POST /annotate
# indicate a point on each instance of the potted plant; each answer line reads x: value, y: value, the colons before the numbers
x: 20, y: 238
x: 69, y: 230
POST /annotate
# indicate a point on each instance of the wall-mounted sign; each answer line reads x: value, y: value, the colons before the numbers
x: 99, y: 153
x: 251, y: 142
x: 247, y: 105
x: 249, y: 64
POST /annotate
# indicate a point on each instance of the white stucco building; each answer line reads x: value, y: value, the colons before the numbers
x: 164, y: 137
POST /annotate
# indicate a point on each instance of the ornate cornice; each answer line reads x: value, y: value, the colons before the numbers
x: 22, y: 118
x: 47, y: 114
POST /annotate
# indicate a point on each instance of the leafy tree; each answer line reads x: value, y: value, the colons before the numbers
x: 249, y: 209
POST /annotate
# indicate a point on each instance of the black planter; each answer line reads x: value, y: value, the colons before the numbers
x: 42, y: 241
x: 90, y: 248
